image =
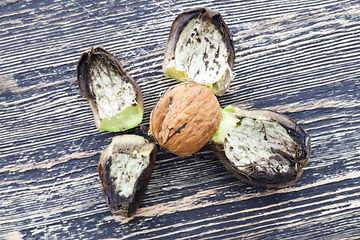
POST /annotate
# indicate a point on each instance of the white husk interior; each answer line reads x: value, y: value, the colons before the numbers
x: 125, y: 169
x: 246, y: 144
x: 199, y: 47
x: 112, y: 94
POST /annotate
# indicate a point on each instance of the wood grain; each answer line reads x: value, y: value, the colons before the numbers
x: 297, y: 57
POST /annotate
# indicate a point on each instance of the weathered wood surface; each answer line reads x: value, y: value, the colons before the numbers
x: 301, y: 58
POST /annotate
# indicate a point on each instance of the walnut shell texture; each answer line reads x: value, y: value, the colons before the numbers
x: 185, y: 118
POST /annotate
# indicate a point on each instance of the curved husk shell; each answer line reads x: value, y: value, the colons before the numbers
x: 119, y: 203
x: 208, y: 16
x: 272, y: 177
x: 93, y: 67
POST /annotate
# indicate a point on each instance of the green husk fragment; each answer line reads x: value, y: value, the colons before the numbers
x: 228, y: 121
x: 129, y: 118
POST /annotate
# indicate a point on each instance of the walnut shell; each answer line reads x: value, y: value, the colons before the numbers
x: 185, y: 118
x: 261, y: 147
x: 200, y: 49
x: 114, y: 96
x: 125, y: 169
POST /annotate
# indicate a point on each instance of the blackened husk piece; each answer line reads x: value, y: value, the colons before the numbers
x: 114, y: 96
x: 125, y: 169
x: 263, y: 148
x: 200, y: 49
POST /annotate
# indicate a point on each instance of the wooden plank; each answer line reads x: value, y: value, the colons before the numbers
x: 300, y: 58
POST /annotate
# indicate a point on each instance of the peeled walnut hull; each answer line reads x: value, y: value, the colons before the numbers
x: 260, y: 147
x: 125, y: 169
x: 200, y: 49
x: 114, y: 96
x: 185, y: 118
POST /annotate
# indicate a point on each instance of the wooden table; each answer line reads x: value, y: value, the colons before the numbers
x: 301, y: 58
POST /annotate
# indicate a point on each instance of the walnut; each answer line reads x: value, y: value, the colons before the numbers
x: 185, y: 118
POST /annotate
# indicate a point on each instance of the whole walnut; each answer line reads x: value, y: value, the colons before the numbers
x: 185, y: 118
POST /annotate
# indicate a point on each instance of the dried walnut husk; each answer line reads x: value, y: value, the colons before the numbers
x: 114, y: 96
x: 125, y: 169
x: 261, y: 147
x: 185, y: 118
x: 200, y: 49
